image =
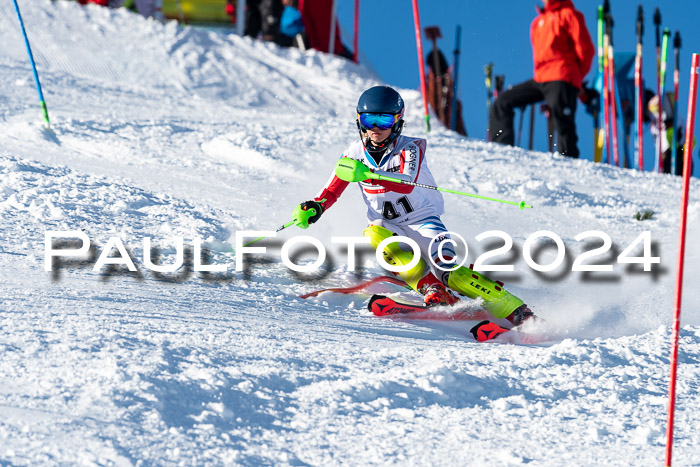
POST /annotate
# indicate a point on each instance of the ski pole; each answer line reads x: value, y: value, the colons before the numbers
x: 356, y: 35
x: 300, y: 217
x: 44, y: 110
x: 520, y: 125
x: 531, y: 143
x: 458, y: 40
x: 351, y: 170
x: 550, y: 126
x: 331, y: 38
x: 521, y: 204
x: 282, y: 227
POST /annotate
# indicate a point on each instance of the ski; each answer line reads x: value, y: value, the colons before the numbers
x: 499, y: 84
x: 599, y: 131
x: 528, y: 332
x: 487, y: 330
x: 657, y: 25
x: 639, y: 90
x: 488, y: 74
x: 606, y: 85
x: 484, y: 331
x: 381, y: 305
x: 662, y: 91
x: 612, y: 88
x: 675, y: 163
x: 358, y: 287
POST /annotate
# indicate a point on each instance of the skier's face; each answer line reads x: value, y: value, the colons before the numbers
x: 378, y: 136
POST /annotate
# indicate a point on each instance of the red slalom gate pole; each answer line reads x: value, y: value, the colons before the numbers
x: 356, y: 40
x: 640, y: 118
x: 606, y: 97
x: 688, y: 156
x: 421, y: 66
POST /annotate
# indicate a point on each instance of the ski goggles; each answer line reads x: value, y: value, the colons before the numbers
x: 381, y: 121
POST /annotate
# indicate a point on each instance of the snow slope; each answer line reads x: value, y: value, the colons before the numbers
x: 161, y: 132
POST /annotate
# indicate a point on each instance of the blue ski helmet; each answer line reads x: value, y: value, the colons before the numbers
x: 382, y: 100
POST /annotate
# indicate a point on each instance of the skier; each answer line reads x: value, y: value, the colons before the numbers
x: 562, y: 52
x: 398, y: 209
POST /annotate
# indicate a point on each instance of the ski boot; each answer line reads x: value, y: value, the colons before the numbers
x: 436, y: 294
x: 521, y: 314
x: 497, y: 300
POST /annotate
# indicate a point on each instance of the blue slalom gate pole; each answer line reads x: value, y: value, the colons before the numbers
x: 31, y: 59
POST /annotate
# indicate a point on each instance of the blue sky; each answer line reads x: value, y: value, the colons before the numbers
x: 498, y: 32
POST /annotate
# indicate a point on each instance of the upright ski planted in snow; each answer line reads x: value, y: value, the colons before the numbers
x: 598, y: 130
x: 488, y: 74
x: 662, y: 91
x: 657, y: 25
x: 639, y: 91
x: 675, y: 166
x: 609, y: 23
x: 606, y: 88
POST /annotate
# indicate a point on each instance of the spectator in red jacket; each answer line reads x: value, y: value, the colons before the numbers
x: 562, y: 52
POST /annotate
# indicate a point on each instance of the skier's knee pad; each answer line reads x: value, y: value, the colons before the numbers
x: 394, y: 255
x: 497, y: 300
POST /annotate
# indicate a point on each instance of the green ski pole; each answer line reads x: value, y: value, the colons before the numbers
x: 300, y: 218
x: 288, y: 224
x: 351, y: 170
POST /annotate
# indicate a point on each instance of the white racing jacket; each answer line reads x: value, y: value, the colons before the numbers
x: 391, y: 201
